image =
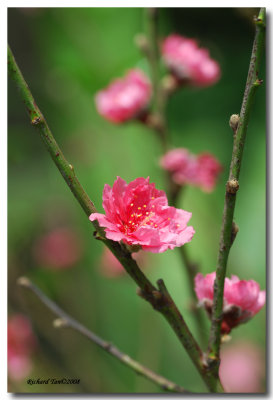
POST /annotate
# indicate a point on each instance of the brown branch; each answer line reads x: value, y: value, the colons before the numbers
x: 65, y: 320
x: 229, y: 230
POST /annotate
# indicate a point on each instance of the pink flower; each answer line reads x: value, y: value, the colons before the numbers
x: 188, y: 62
x: 208, y: 171
x: 60, y: 248
x: 242, y: 299
x: 112, y: 268
x: 138, y: 214
x: 125, y: 98
x: 242, y: 368
x: 186, y: 168
x: 21, y: 343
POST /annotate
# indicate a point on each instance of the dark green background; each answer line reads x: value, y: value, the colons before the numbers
x: 66, y: 56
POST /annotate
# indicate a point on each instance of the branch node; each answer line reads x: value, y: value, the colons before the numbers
x: 234, y: 231
x: 258, y: 82
x: 60, y: 323
x: 23, y: 281
x: 234, y: 121
x: 169, y: 84
x: 141, y: 41
x: 225, y: 338
x: 232, y: 186
x: 97, y: 236
x: 157, y: 295
x: 211, y: 362
x: 36, y: 121
x: 156, y: 122
x: 140, y: 293
x: 107, y: 346
x: 259, y: 22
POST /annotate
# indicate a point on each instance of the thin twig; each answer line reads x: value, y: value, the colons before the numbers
x: 147, y: 289
x: 232, y: 187
x: 65, y: 320
x: 191, y: 270
x: 161, y: 95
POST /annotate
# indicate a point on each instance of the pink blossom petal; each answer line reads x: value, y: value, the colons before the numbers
x: 124, y: 98
x: 186, y: 168
x: 21, y: 343
x: 60, y: 248
x: 242, y: 299
x: 139, y: 214
x: 242, y: 368
x: 204, y: 286
x: 188, y: 62
x: 243, y: 294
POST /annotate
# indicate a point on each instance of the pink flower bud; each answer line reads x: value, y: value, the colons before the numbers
x: 242, y: 299
x: 138, y: 214
x: 60, y: 248
x: 186, y: 168
x: 125, y: 98
x: 112, y: 268
x: 21, y: 343
x: 242, y: 368
x: 188, y: 62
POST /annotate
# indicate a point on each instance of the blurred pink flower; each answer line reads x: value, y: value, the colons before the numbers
x: 188, y: 62
x: 186, y: 168
x: 208, y: 171
x: 138, y: 214
x: 125, y: 98
x: 242, y: 299
x: 60, y: 248
x: 111, y: 267
x: 21, y: 343
x: 242, y: 368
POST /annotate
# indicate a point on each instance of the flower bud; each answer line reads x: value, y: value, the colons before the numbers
x: 232, y: 186
x: 242, y: 299
x: 124, y: 99
x: 169, y: 84
x: 233, y: 121
x: 189, y: 63
x: 200, y: 170
x: 141, y: 42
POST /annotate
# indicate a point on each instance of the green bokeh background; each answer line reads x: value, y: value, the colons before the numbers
x: 66, y: 56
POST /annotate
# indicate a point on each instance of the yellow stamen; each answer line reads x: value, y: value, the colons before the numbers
x: 132, y: 204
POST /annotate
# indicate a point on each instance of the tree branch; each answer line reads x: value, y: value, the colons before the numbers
x: 191, y: 269
x: 68, y: 173
x: 148, y: 290
x: 233, y: 185
x: 65, y: 320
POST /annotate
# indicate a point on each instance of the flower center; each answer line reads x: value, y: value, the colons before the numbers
x: 138, y: 216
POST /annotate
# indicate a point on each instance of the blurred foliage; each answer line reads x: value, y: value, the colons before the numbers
x: 66, y: 56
